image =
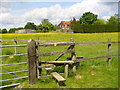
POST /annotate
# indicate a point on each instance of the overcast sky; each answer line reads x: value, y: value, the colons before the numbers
x: 16, y: 13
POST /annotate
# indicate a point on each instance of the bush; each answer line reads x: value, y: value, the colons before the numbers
x: 4, y: 30
x: 78, y: 28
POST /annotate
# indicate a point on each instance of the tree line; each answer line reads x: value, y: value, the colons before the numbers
x: 45, y: 26
x: 90, y: 23
x: 87, y: 23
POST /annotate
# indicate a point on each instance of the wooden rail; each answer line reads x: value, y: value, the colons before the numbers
x: 34, y: 52
x: 23, y: 40
x: 71, y: 49
x: 55, y: 53
x: 93, y: 58
x: 57, y: 62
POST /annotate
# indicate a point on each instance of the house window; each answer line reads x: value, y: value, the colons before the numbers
x: 68, y: 25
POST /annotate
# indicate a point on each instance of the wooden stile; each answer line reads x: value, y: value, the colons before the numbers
x: 73, y: 56
x: 32, y: 61
x: 37, y: 52
x: 66, y: 70
x: 58, y: 77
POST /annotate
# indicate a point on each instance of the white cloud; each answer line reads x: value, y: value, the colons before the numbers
x: 4, y: 7
x: 106, y: 17
x: 54, y: 0
x: 56, y: 13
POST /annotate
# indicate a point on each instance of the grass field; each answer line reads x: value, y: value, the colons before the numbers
x: 90, y: 74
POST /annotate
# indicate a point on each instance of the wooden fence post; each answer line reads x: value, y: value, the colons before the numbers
x: 37, y: 50
x: 109, y: 50
x: 73, y: 56
x: 15, y: 41
x: 66, y: 70
x: 32, y: 61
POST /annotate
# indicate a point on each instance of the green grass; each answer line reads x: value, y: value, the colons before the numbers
x: 90, y: 74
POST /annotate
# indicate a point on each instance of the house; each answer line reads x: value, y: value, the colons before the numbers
x: 65, y: 24
x: 25, y: 31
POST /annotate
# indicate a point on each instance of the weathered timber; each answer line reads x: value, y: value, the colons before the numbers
x: 37, y: 51
x: 32, y: 63
x: 43, y: 41
x: 62, y: 44
x: 62, y: 53
x: 96, y: 43
x: 58, y: 77
x: 48, y: 70
x: 66, y: 70
x: 55, y: 53
x: 109, y: 50
x: 46, y: 66
x: 85, y: 59
x: 74, y: 67
x: 59, y: 57
x: 57, y: 62
x: 47, y: 76
x: 56, y: 44
x: 15, y: 41
x: 73, y: 55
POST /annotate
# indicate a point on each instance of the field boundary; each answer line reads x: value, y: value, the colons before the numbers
x: 33, y: 57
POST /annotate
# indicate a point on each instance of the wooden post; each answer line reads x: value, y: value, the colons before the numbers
x: 73, y: 55
x: 37, y: 50
x: 66, y: 70
x: 109, y: 50
x: 15, y: 41
x: 32, y: 63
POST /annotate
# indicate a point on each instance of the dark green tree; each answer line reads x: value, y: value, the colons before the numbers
x: 30, y: 25
x: 4, y: 30
x: 56, y: 27
x: 45, y: 26
x: 39, y: 28
x: 0, y: 30
x: 12, y: 30
x: 74, y: 22
x: 19, y: 28
x: 113, y: 20
x: 88, y: 18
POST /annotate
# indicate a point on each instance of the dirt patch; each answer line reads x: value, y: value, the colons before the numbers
x: 78, y: 76
x: 11, y: 57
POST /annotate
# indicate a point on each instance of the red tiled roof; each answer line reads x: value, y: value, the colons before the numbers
x: 65, y: 24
